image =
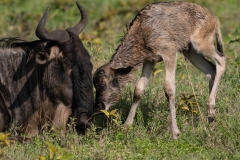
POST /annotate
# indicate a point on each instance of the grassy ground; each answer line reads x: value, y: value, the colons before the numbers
x: 149, y: 137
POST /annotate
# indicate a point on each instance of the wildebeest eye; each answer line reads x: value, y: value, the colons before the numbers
x: 42, y: 55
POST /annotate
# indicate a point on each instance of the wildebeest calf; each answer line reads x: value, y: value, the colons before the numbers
x: 158, y: 33
x: 43, y: 82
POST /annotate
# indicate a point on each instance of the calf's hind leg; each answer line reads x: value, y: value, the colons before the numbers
x: 214, y: 73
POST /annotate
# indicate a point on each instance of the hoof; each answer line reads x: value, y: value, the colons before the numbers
x: 126, y: 125
x: 175, y: 135
x: 210, y: 119
x: 128, y: 122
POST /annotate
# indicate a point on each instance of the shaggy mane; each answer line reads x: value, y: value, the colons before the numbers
x: 128, y: 27
x: 16, y: 42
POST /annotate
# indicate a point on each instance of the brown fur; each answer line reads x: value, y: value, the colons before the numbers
x: 46, y: 116
x: 158, y: 33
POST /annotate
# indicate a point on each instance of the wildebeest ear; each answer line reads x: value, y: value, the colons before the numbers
x: 41, y: 57
x: 123, y: 71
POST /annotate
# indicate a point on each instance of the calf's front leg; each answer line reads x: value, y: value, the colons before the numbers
x: 169, y: 88
x: 139, y: 90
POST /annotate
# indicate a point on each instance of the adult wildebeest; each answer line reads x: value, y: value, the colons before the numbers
x: 45, y: 81
x: 157, y: 33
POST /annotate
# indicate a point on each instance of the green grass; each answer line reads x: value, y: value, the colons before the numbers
x: 149, y: 136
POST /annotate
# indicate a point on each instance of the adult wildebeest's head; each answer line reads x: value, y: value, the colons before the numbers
x: 82, y: 68
x: 47, y: 80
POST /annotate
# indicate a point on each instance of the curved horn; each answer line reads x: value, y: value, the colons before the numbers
x: 83, y: 22
x: 43, y: 34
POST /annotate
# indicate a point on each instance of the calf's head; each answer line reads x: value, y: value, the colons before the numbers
x: 108, y: 83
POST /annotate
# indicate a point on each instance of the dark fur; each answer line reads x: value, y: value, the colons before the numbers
x: 37, y: 95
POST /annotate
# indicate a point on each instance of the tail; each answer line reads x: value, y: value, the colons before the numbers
x: 219, y: 40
